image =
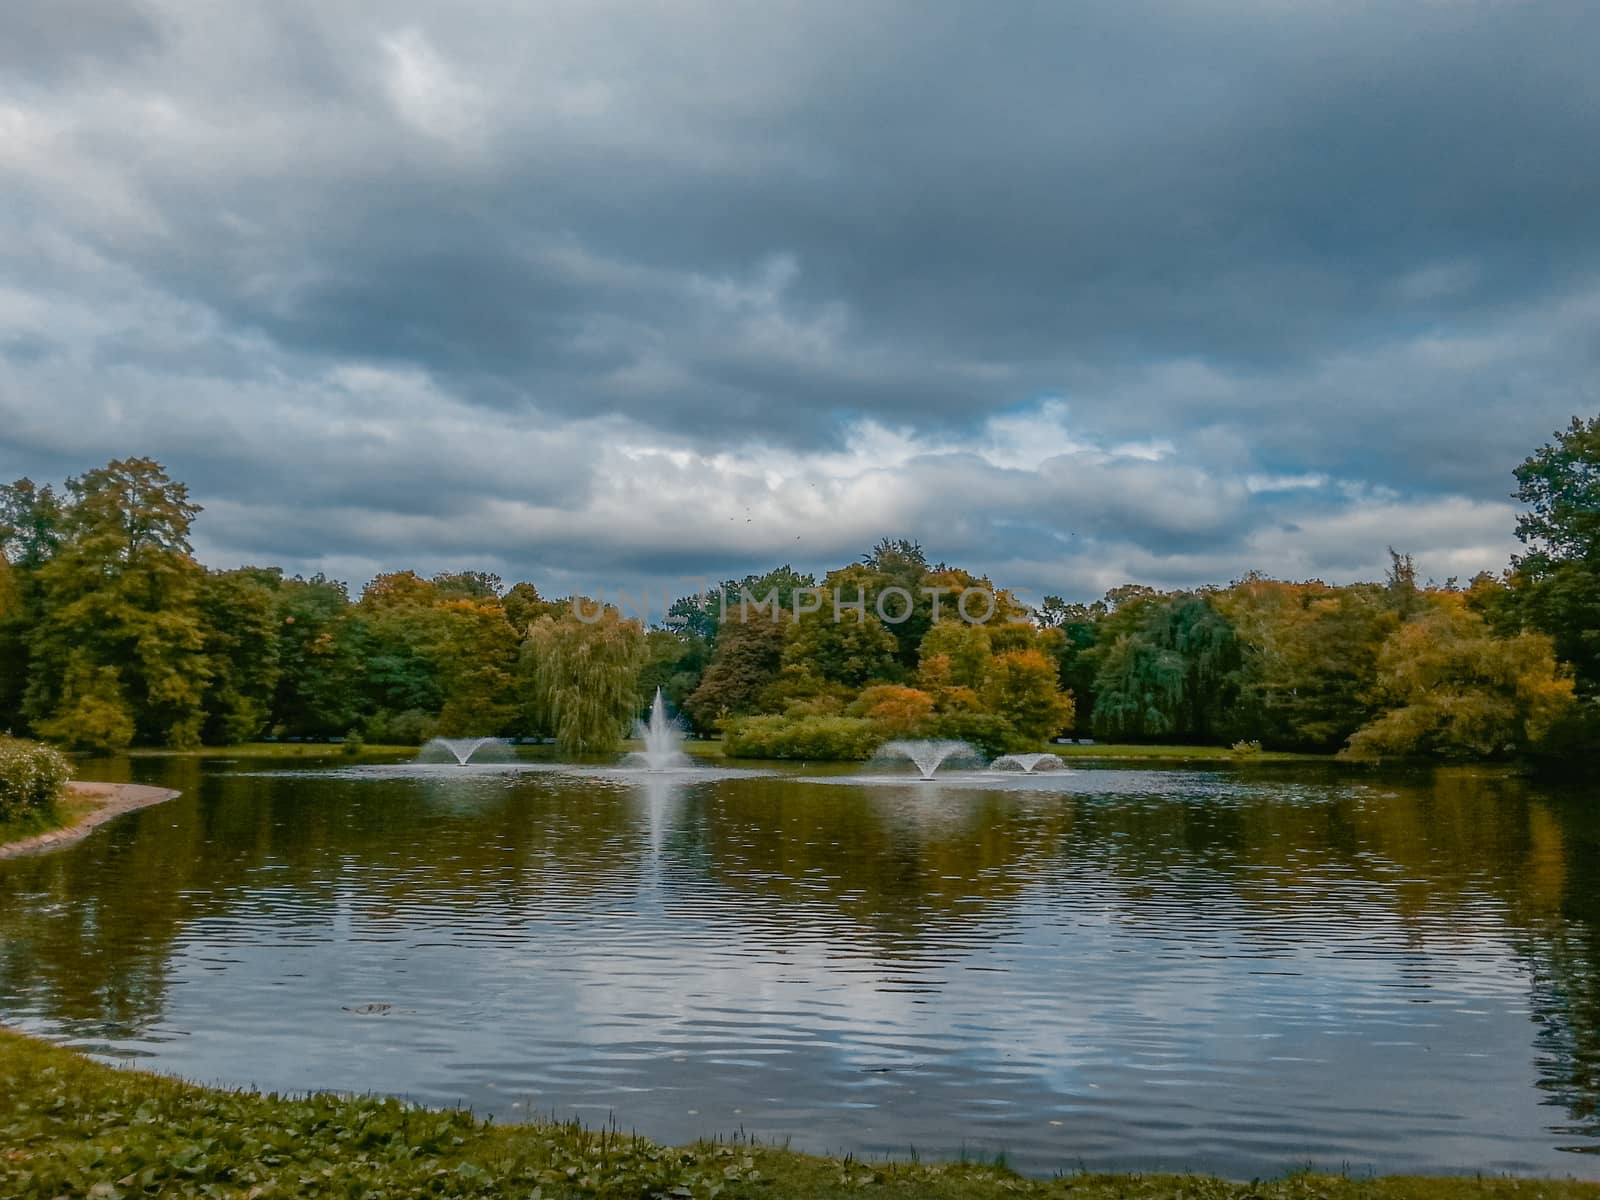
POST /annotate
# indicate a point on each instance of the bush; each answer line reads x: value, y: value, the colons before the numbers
x: 825, y: 738
x: 32, y: 778
x: 1244, y: 749
x: 989, y: 732
x: 896, y: 711
x: 409, y: 728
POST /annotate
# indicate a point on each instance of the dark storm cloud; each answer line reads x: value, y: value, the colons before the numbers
x: 1348, y: 239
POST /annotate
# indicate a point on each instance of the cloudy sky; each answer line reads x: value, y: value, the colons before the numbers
x: 1076, y: 292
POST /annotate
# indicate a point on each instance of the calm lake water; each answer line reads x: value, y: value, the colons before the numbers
x: 1238, y: 971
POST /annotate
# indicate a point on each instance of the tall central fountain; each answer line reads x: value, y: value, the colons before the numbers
x: 662, y: 739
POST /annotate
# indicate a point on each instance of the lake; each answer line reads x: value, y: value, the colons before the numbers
x: 1237, y: 971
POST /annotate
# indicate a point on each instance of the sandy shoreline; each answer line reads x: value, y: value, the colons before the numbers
x: 109, y: 799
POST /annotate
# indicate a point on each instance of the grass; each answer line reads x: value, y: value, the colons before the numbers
x: 63, y: 813
x: 1183, y: 753
x: 272, y: 750
x: 72, y: 1127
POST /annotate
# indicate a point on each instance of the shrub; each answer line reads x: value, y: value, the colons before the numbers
x: 896, y: 711
x: 989, y: 732
x: 824, y: 738
x: 409, y: 728
x: 1244, y: 749
x: 32, y: 777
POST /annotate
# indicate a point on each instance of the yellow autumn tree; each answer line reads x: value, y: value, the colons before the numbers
x: 1455, y: 690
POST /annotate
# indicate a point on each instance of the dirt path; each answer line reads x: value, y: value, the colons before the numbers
x: 108, y: 799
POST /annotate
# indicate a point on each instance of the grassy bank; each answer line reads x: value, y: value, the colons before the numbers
x: 66, y: 811
x: 70, y: 1127
x: 274, y: 750
x: 1183, y: 753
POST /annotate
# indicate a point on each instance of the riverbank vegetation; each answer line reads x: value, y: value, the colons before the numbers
x: 112, y: 635
x: 72, y: 1127
x: 33, y: 781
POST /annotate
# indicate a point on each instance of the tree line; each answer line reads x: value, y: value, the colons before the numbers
x: 112, y: 634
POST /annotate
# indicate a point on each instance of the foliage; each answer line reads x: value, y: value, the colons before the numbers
x: 1170, y: 667
x: 320, y: 653
x: 1453, y: 689
x: 1077, y: 627
x: 121, y: 592
x: 239, y: 616
x: 33, y: 779
x: 71, y: 1127
x: 849, y: 651
x: 989, y: 732
x: 93, y: 715
x: 1309, y: 657
x: 674, y: 662
x: 896, y: 711
x: 476, y: 654
x: 1557, y: 582
x: 747, y: 658
x: 820, y: 738
x: 586, y: 676
x: 111, y: 635
x: 1021, y: 689
x: 955, y: 654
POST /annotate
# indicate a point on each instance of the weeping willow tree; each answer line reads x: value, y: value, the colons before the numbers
x: 586, y: 678
x: 1174, y: 672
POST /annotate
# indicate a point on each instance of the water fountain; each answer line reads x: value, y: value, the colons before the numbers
x: 661, y: 737
x: 1028, y: 763
x: 462, y: 749
x: 927, y: 756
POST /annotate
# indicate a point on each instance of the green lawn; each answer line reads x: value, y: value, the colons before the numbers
x: 272, y: 750
x: 1182, y: 753
x: 71, y: 1127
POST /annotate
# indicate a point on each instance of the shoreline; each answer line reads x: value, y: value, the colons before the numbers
x: 81, y: 1127
x: 109, y: 801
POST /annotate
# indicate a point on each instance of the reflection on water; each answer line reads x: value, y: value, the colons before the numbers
x: 1236, y: 972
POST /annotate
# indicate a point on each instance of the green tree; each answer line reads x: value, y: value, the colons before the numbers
x: 30, y: 533
x: 122, y: 591
x: 320, y: 650
x: 1168, y: 667
x: 524, y: 605
x: 239, y: 611
x: 587, y: 677
x: 1557, y: 580
x: 1079, y: 628
x: 847, y: 650
x: 956, y: 654
x: 93, y: 713
x: 746, y: 661
x: 1310, y: 654
x: 403, y: 629
x: 675, y: 661
x: 477, y: 659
